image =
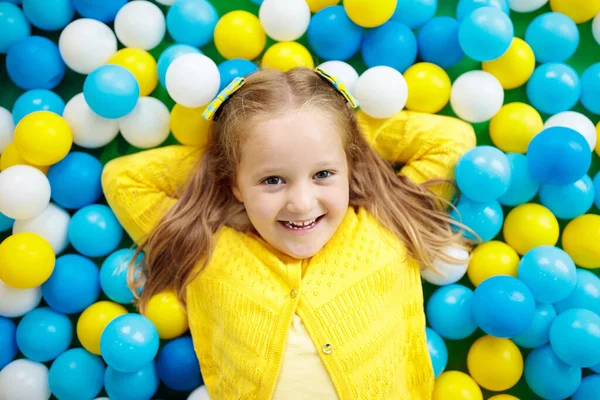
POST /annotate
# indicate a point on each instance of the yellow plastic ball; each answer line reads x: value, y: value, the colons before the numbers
x: 167, y: 315
x: 490, y: 259
x: 369, y: 13
x: 317, y: 5
x: 496, y: 364
x: 26, y: 260
x: 530, y: 225
x: 239, y: 34
x: 287, y: 55
x: 513, y: 127
x: 43, y: 138
x: 429, y: 87
x: 92, y: 322
x: 598, y: 139
x: 578, y: 10
x: 456, y: 385
x: 188, y: 126
x: 503, y: 397
x: 141, y: 64
x: 10, y: 157
x: 580, y: 240
x: 514, y: 67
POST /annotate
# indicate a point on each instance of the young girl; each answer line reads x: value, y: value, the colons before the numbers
x: 294, y: 246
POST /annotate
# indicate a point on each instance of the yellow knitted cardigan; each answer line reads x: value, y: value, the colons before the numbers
x: 360, y: 297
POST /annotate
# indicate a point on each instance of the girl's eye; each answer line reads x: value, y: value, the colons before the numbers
x: 327, y: 174
x: 274, y: 180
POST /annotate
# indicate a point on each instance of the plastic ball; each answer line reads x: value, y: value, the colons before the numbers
x: 140, y: 24
x: 193, y: 80
x: 188, y: 126
x: 111, y: 91
x: 456, y: 385
x: 530, y: 225
x: 523, y: 187
x: 342, y: 71
x: 287, y: 55
x: 368, y: 14
x: 43, y: 138
x: 381, y: 92
x: 37, y: 100
x: 43, y: 334
x: 11, y: 157
x: 13, y: 24
x: 147, y: 125
x: 590, y: 88
x: 485, y: 34
x: 575, y: 121
x: 568, y: 201
x: 483, y: 218
x: 192, y: 22
x: 483, y: 173
x: 76, y: 374
x: 93, y: 321
x: 465, y: 7
x: 476, y: 96
x: 595, y: 182
x: 558, y: 156
x: 553, y: 87
x: 27, y: 260
x: 177, y: 365
x: 449, y: 312
x: 332, y: 35
x: 236, y: 67
x: 24, y: 192
x: 7, y: 126
x: 589, y: 387
x: 538, y: 333
x: 167, y: 57
x: 86, y: 44
x: 51, y: 224
x: 317, y: 5
x: 513, y: 127
x: 438, y: 42
x: 113, y: 275
x: 201, y: 393
x: 525, y: 6
x: 24, y: 379
x: 428, y: 87
x: 138, y: 385
x: 437, y: 351
x: 94, y: 231
x: 73, y: 286
x: 88, y: 128
x: 284, y: 20
x: 239, y: 34
x: 129, y: 342
x: 578, y: 10
x: 490, y: 259
x: 513, y: 68
x: 75, y: 180
x: 503, y: 397
x: 553, y: 37
x: 444, y: 272
x: 393, y: 44
x: 17, y: 302
x: 34, y: 62
x: 141, y: 64
x: 596, y: 28
x: 8, y: 341
x: 5, y: 223
x: 548, y: 376
x: 580, y: 239
x: 575, y: 337
x: 585, y: 295
x: 414, y: 13
x: 494, y: 363
x: 49, y: 15
x: 167, y: 315
x: 104, y: 11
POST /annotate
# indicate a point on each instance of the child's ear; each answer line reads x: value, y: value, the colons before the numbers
x: 236, y: 192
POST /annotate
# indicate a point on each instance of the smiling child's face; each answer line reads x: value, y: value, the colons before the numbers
x: 293, y: 170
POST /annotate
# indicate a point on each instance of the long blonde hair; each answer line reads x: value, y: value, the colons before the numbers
x: 181, y: 244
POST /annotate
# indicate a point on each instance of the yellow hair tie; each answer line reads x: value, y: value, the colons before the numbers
x: 211, y: 109
x: 339, y: 85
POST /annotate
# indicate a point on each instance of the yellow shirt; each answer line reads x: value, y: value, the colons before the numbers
x: 360, y: 300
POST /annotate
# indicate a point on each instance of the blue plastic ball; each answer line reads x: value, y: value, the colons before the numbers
x: 94, y: 231
x: 43, y: 334
x: 549, y: 272
x: 76, y: 180
x: 392, y: 44
x: 73, y: 286
x: 596, y: 368
x: 332, y: 35
x: 588, y: 389
x: 111, y: 91
x: 192, y: 22
x: 177, y: 365
x: 503, y: 306
x: 553, y: 37
x: 465, y: 7
x: 553, y: 88
x: 523, y: 186
x: 590, y: 88
x: 129, y: 342
x: 8, y: 341
x: 76, y: 374
x: 485, y: 34
x: 575, y: 337
x: 35, y: 63
x: 438, y: 42
x: 568, y: 201
x: 139, y: 385
x: 438, y: 352
x: 449, y: 312
x: 538, y: 333
x: 483, y: 173
x: 37, y: 100
x: 5, y: 223
x: 236, y: 67
x: 113, y: 275
x: 49, y: 15
x: 585, y: 295
x: 485, y: 219
x: 13, y: 25
x: 168, y: 56
x: 548, y: 376
x: 104, y: 11
x: 596, y: 183
x: 558, y: 156
x: 414, y: 13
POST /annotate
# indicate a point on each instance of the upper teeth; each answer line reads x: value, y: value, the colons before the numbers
x: 303, y: 223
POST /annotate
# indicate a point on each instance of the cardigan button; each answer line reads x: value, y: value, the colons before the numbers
x: 327, y: 348
x: 294, y: 293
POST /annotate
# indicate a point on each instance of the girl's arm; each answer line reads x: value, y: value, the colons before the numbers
x: 141, y: 187
x: 429, y: 145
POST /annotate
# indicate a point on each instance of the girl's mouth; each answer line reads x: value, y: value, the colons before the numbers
x: 304, y: 227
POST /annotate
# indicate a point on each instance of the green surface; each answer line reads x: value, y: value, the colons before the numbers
x: 587, y: 54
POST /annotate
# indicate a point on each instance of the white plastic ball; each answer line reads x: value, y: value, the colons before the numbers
x: 18, y: 302
x: 52, y: 224
x: 7, y: 128
x: 148, y: 125
x: 200, y: 393
x: 284, y: 20
x: 140, y: 24
x: 381, y: 91
x: 24, y: 192
x: 476, y: 96
x: 89, y: 129
x: 85, y: 44
x: 193, y: 80
x: 342, y: 71
x: 24, y: 380
x: 524, y: 6
x: 596, y: 27
x: 577, y: 122
x: 446, y: 273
